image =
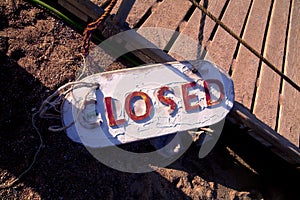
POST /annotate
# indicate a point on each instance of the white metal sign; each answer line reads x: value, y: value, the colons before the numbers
x: 146, y: 102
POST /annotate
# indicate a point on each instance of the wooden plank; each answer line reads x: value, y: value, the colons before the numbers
x: 168, y: 14
x: 289, y: 116
x: 123, y: 11
x: 193, y: 27
x: 244, y: 69
x: 198, y: 30
x: 73, y: 9
x: 87, y: 7
x: 260, y: 131
x: 267, y: 97
x: 222, y: 48
x: 109, y: 29
x: 139, y: 10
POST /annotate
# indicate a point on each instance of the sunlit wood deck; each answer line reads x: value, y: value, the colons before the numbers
x: 271, y: 28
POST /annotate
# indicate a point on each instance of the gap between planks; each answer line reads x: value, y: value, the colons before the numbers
x: 267, y: 94
x: 245, y: 65
x: 190, y: 44
x: 223, y: 45
x: 166, y: 18
x: 289, y: 111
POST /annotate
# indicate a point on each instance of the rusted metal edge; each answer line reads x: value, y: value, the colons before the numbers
x: 239, y: 114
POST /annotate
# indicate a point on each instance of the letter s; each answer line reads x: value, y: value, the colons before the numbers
x: 166, y: 100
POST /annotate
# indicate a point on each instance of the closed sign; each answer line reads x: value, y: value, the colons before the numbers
x: 146, y: 102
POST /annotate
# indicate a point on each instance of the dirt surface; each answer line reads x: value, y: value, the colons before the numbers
x: 39, y: 53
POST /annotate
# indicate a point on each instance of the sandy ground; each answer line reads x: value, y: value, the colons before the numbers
x: 39, y: 53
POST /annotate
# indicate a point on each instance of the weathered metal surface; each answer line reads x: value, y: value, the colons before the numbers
x: 147, y: 102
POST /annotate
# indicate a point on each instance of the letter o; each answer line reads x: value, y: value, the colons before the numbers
x: 129, y: 109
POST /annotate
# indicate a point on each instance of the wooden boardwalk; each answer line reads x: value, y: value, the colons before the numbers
x: 271, y: 27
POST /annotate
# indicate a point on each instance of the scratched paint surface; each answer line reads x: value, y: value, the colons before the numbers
x: 146, y: 102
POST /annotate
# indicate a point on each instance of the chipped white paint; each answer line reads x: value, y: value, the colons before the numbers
x: 93, y: 126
